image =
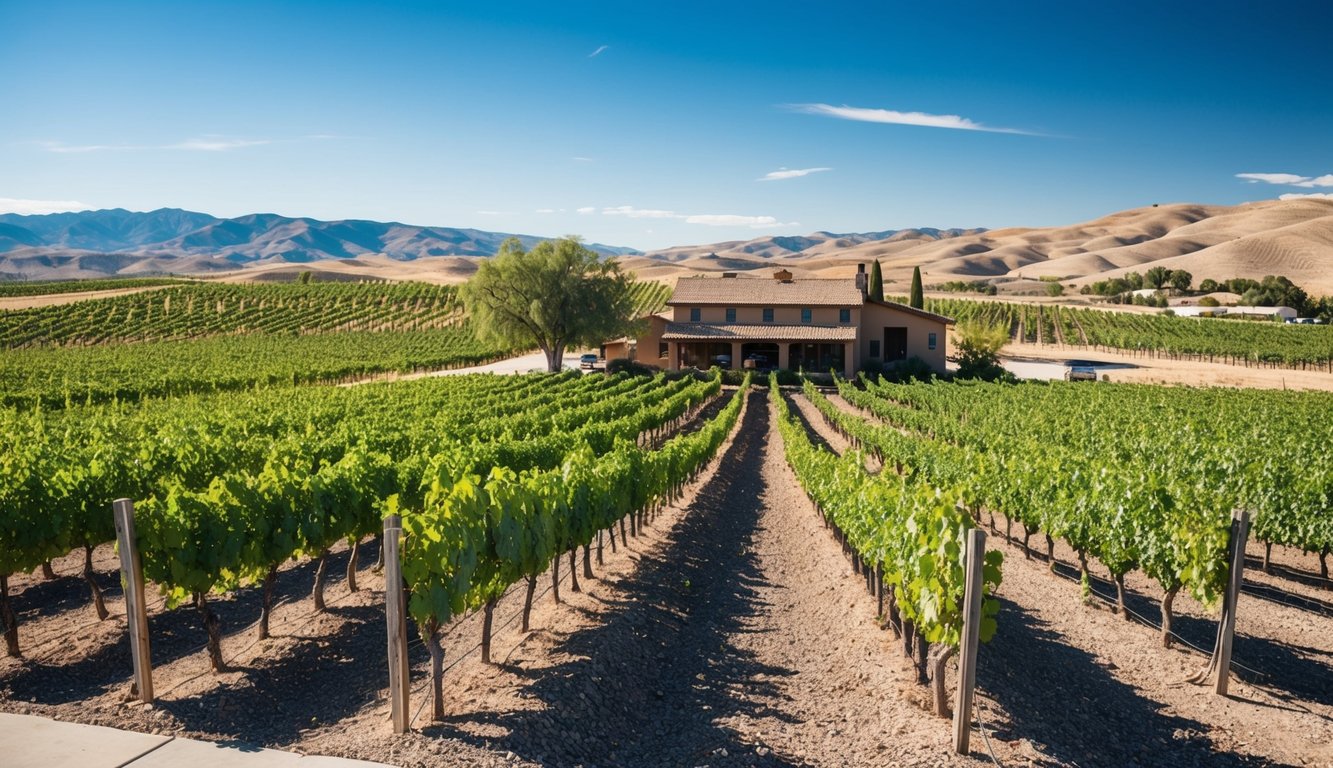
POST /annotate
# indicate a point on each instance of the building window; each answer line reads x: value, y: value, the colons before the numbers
x: 695, y: 314
x: 874, y: 347
x: 806, y: 314
x: 844, y: 315
x: 663, y: 349
x: 731, y: 314
x: 930, y: 341
x: 768, y: 314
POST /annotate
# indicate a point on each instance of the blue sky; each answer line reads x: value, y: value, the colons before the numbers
x: 664, y: 124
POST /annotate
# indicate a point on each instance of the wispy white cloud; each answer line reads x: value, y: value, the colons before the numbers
x: 790, y: 173
x: 1302, y: 195
x: 600, y: 49
x: 544, y: 210
x: 731, y: 220
x: 582, y: 159
x: 63, y: 148
x: 587, y: 209
x: 923, y: 119
x: 706, y: 219
x: 29, y: 207
x: 1288, y: 179
x: 207, y: 143
x: 217, y: 144
x: 631, y: 212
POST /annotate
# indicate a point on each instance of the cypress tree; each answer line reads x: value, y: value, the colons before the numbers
x: 918, y: 300
x: 876, y: 288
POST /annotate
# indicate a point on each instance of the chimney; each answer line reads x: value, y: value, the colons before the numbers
x: 782, y: 276
x: 861, y: 282
x: 728, y: 274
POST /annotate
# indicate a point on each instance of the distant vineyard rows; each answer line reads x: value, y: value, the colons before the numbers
x: 1229, y: 341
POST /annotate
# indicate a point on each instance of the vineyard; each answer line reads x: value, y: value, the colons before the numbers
x: 254, y: 480
x: 731, y: 575
x: 215, y: 309
x: 46, y: 288
x: 1223, y: 341
x: 202, y: 338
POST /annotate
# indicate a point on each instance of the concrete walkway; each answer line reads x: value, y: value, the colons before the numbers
x: 27, y: 741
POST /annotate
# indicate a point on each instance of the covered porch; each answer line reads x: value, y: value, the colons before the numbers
x: 769, y: 346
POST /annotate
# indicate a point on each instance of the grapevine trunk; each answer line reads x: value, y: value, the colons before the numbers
x: 922, y: 659
x: 1050, y: 552
x: 527, y: 601
x: 89, y: 577
x: 587, y: 560
x: 431, y: 634
x: 1120, y: 595
x: 489, y: 612
x: 213, y: 626
x: 318, y: 592
x: 1167, y: 600
x: 555, y: 578
x: 351, y: 566
x: 48, y: 572
x: 11, y: 621
x: 937, y: 667
x: 266, y: 610
x: 573, y: 571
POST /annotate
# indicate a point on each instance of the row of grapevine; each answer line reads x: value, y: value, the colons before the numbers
x: 910, y: 530
x: 197, y: 310
x: 471, y: 535
x: 1206, y: 339
x: 58, y: 377
x: 15, y: 288
x: 1140, y: 478
x: 306, y: 464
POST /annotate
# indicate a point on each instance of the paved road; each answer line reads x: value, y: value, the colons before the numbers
x: 521, y: 364
x: 37, y: 742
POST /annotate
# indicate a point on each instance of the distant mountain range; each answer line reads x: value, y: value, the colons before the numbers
x: 1293, y: 238
x: 171, y: 240
x: 117, y: 241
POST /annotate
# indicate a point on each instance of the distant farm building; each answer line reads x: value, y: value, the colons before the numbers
x: 1285, y: 313
x: 785, y: 323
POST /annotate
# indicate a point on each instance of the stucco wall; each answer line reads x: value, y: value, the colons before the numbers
x: 876, y: 317
x: 645, y: 346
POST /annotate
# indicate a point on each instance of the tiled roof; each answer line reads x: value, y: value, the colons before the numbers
x: 760, y: 332
x: 765, y: 291
x: 914, y: 311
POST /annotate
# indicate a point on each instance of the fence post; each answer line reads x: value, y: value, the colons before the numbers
x: 1226, y: 628
x: 395, y: 611
x: 967, y: 658
x: 136, y: 613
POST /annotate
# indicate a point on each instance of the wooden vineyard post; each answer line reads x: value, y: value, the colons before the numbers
x: 136, y: 613
x: 395, y: 612
x: 967, y: 658
x: 1226, y: 627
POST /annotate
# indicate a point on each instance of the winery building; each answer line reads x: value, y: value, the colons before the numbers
x: 782, y: 322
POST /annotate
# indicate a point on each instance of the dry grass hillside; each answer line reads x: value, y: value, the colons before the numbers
x: 1292, y: 238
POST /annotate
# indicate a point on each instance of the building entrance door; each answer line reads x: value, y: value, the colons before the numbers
x: 895, y: 344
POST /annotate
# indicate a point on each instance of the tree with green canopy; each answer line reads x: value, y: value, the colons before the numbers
x: 876, y: 287
x: 918, y: 299
x: 556, y: 295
